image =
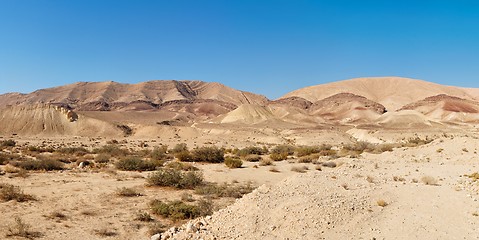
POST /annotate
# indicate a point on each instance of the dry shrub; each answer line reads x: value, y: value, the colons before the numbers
x: 265, y: 162
x: 329, y: 164
x: 278, y: 156
x: 180, y: 147
x: 137, y: 164
x: 428, y: 180
x: 112, y: 150
x: 10, y: 192
x: 281, y: 152
x: 46, y: 164
x: 300, y: 169
x: 128, y: 192
x: 178, y: 210
x: 208, y: 154
x: 22, y: 229
x: 175, y: 178
x: 8, y: 143
x: 181, y: 166
x: 253, y: 158
x: 251, y: 151
x: 102, y: 158
x: 159, y: 153
x: 233, y: 162
x: 156, y: 228
x: 144, y: 217
x: 78, y: 151
x: 105, y: 232
x: 57, y: 215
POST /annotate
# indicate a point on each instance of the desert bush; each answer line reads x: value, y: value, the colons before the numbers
x: 265, y: 162
x: 309, y: 158
x: 278, y: 156
x: 46, y: 164
x: 112, y: 150
x: 159, y: 153
x: 144, y: 217
x: 10, y: 192
x: 184, y: 156
x: 253, y: 158
x: 175, y: 210
x: 102, y: 158
x: 8, y: 143
x: 283, y: 149
x: 128, y: 192
x: 250, y: 150
x: 175, y: 178
x: 105, y: 232
x: 78, y: 151
x: 300, y: 169
x: 224, y: 190
x: 181, y: 166
x: 137, y: 164
x: 40, y: 149
x: 414, y: 142
x: 57, y: 215
x: 5, y: 158
x: 208, y: 154
x: 307, y: 150
x: 233, y: 162
x: 23, y: 230
x: 180, y: 147
x: 358, y: 147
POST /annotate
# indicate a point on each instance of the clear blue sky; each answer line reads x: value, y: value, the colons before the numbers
x: 267, y: 47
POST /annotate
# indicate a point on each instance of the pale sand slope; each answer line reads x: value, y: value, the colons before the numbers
x: 341, y: 204
x: 392, y: 92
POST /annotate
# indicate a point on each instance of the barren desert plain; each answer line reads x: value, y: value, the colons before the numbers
x: 366, y: 158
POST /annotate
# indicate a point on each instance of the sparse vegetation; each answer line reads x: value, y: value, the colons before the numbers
x: 175, y: 178
x: 178, y: 210
x: 47, y: 164
x: 225, y: 190
x: 22, y: 229
x: 181, y: 166
x: 113, y: 150
x: 137, y: 164
x: 144, y: 217
x: 265, y: 162
x: 105, y: 232
x: 251, y: 151
x: 208, y: 154
x: 253, y: 158
x: 8, y: 143
x: 10, y: 192
x: 281, y: 152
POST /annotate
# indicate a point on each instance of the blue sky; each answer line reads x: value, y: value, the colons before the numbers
x: 267, y: 47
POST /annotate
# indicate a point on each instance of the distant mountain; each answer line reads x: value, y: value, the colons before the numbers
x: 392, y: 92
x: 112, y: 96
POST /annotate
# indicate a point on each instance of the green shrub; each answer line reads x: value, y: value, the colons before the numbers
x: 250, y: 150
x: 137, y: 164
x: 233, y: 162
x: 180, y: 147
x: 46, y: 164
x: 175, y: 178
x: 208, y: 154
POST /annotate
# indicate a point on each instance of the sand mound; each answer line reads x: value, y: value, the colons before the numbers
x: 392, y: 92
x: 247, y: 113
x: 406, y: 119
x: 49, y: 120
x: 347, y: 107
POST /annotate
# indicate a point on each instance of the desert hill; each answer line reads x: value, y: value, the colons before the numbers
x: 106, y: 96
x: 392, y: 92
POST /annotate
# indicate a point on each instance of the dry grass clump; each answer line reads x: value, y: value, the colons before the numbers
x: 57, y: 215
x: 428, y: 180
x: 47, y: 164
x: 178, y: 210
x: 329, y: 164
x: 231, y: 162
x: 300, y: 169
x: 144, y: 217
x: 137, y: 164
x: 128, y: 192
x: 10, y: 192
x: 382, y: 203
x: 102, y: 158
x: 225, y: 190
x: 175, y: 178
x: 414, y: 142
x: 22, y: 229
